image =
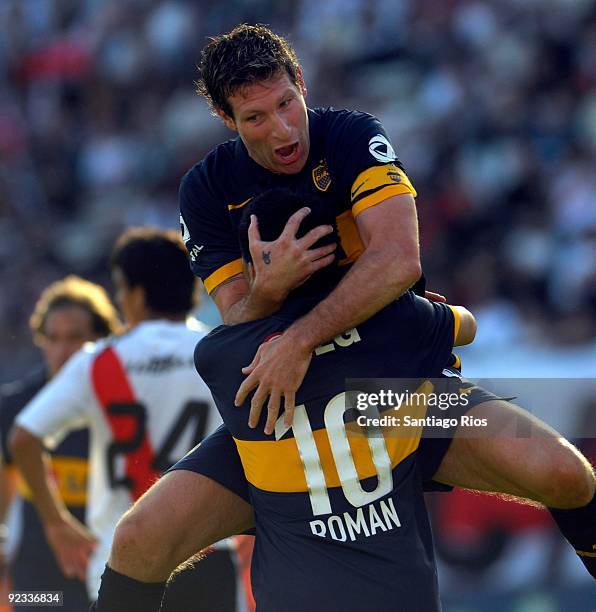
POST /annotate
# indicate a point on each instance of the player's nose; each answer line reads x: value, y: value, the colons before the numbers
x: 281, y: 127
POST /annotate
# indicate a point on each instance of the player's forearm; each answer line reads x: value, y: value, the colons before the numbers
x: 239, y: 302
x: 373, y: 282
x: 32, y: 461
x: 251, y: 307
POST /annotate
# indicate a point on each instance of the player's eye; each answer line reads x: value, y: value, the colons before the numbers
x: 252, y: 118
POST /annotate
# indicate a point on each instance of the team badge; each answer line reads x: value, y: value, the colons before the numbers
x: 321, y: 176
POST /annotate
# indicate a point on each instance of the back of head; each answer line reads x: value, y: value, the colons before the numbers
x: 273, y: 208
x: 246, y: 55
x: 156, y: 260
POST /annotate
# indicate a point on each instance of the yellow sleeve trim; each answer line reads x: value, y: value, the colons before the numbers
x: 223, y: 274
x: 457, y: 322
x: 379, y: 196
x: 377, y: 184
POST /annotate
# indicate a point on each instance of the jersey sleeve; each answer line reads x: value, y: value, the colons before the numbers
x: 367, y: 166
x: 63, y: 404
x: 207, y: 232
x: 439, y: 323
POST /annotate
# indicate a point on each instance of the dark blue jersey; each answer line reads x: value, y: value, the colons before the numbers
x: 351, y: 166
x: 34, y: 565
x: 341, y: 520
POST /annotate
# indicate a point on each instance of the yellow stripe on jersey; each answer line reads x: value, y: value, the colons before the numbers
x: 235, y: 206
x: 221, y: 275
x: 457, y: 322
x: 349, y: 238
x: 377, y: 184
x: 70, y: 475
x: 276, y: 466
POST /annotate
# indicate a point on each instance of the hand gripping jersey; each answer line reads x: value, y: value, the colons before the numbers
x: 340, y: 520
x: 351, y: 165
x: 33, y: 564
x: 145, y: 406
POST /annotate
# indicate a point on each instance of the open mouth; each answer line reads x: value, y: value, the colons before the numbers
x: 289, y: 153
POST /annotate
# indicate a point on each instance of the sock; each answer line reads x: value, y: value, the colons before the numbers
x: 578, y: 525
x: 119, y: 593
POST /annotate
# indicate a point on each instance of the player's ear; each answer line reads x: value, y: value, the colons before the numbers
x: 228, y: 121
x: 301, y: 83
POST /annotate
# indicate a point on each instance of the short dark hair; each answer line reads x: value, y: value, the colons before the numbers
x: 248, y: 54
x: 156, y: 260
x: 75, y: 291
x: 273, y: 208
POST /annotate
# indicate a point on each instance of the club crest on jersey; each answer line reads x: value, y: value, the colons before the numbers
x: 321, y: 176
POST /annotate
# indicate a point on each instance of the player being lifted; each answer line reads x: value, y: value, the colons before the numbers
x: 144, y: 404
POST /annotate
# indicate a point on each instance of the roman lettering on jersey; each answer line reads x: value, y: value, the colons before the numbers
x: 363, y: 522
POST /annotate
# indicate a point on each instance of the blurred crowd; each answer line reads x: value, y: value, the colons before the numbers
x: 491, y: 107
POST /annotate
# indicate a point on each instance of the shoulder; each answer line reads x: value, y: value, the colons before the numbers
x: 208, y: 174
x: 344, y: 122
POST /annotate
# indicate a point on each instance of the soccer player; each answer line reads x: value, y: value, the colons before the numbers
x: 68, y: 313
x: 139, y: 395
x: 254, y: 83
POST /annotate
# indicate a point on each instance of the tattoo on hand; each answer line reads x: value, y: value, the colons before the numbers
x: 267, y: 257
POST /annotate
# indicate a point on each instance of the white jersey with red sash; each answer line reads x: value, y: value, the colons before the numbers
x: 145, y: 405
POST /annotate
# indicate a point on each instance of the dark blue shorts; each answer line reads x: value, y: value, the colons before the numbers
x: 217, y: 457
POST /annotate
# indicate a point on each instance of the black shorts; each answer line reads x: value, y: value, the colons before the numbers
x: 217, y: 457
